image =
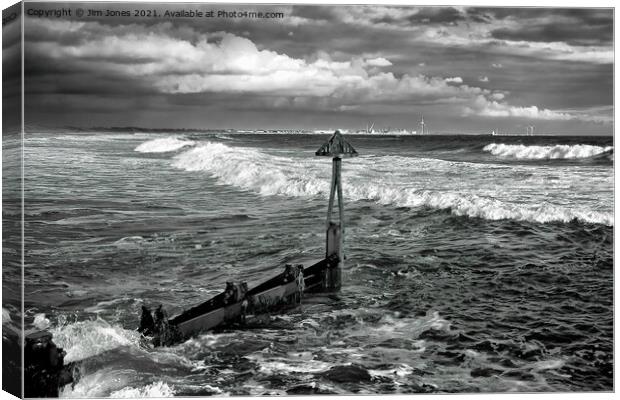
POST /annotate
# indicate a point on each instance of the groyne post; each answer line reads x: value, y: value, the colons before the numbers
x: 337, y: 148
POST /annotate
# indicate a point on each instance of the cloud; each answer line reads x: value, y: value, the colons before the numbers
x: 595, y: 26
x: 435, y: 15
x: 378, y: 62
x: 497, y: 65
x: 494, y: 109
x: 483, y: 78
x: 456, y: 79
x: 478, y: 40
x: 222, y: 62
x: 598, y: 115
x: 547, y: 35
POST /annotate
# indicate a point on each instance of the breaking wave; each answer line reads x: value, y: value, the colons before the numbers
x: 157, y: 389
x: 492, y: 209
x: 89, y: 338
x: 163, y: 145
x: 6, y: 316
x: 254, y: 170
x: 267, y: 174
x: 557, y: 152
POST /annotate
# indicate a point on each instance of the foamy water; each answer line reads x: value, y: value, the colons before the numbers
x: 85, y: 339
x: 545, y: 152
x: 366, y: 179
x: 163, y: 145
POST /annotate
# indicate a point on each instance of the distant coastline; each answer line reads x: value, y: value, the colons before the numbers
x: 284, y: 131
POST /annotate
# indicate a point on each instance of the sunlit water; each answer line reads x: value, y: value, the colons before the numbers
x: 473, y: 263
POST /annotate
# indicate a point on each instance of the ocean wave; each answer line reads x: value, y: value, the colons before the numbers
x: 6, y: 316
x: 493, y: 209
x: 129, y: 242
x: 163, y: 145
x: 267, y: 174
x: 86, y: 339
x: 253, y: 170
x: 156, y: 389
x: 471, y: 205
x: 99, y: 383
x: 115, y: 383
x: 557, y: 152
x: 41, y: 322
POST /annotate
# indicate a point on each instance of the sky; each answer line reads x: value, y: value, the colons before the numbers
x: 466, y: 69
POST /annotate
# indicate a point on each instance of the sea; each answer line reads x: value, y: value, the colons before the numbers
x: 473, y: 263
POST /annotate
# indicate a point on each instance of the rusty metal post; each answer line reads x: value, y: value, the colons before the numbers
x: 337, y: 147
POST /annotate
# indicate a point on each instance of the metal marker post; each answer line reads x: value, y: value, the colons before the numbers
x: 336, y: 147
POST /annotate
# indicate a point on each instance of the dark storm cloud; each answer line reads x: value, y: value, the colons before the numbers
x: 87, y: 83
x: 321, y: 13
x: 436, y: 15
x: 585, y: 35
x: 576, y: 26
x: 585, y: 15
x: 479, y: 15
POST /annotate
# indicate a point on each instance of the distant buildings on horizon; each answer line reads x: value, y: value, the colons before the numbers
x: 528, y: 130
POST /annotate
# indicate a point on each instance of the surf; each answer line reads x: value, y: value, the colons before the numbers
x: 556, y: 152
x: 163, y: 145
x: 385, y: 180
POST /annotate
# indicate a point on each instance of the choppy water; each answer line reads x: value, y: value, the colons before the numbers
x: 474, y: 264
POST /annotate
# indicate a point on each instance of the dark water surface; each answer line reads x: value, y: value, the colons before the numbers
x: 474, y: 264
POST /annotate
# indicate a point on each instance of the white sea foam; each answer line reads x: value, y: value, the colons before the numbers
x: 103, y: 136
x: 115, y: 383
x: 95, y: 384
x: 400, y: 371
x: 41, y: 322
x: 391, y: 180
x: 523, y: 152
x: 253, y: 170
x: 281, y: 365
x: 6, y: 316
x: 129, y: 242
x: 89, y: 338
x: 156, y: 389
x: 163, y: 145
x: 549, y: 364
x: 471, y: 205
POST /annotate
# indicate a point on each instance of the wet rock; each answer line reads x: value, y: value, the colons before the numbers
x: 44, y: 372
x: 11, y: 362
x: 347, y: 373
